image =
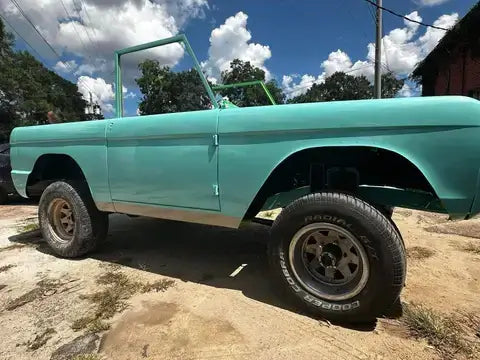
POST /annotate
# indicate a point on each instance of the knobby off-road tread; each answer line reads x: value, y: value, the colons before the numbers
x: 382, y: 226
x: 91, y: 224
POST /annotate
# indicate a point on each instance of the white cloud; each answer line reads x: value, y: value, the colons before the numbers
x: 65, y: 66
x: 430, y: 2
x: 432, y: 36
x: 306, y: 82
x: 230, y: 41
x: 403, y: 48
x: 337, y: 61
x: 105, y: 26
x: 405, y: 91
x: 102, y: 92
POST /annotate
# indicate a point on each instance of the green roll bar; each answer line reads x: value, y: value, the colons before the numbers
x: 181, y: 38
x: 245, y: 84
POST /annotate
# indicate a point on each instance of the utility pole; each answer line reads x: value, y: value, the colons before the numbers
x: 378, y: 52
x: 93, y: 110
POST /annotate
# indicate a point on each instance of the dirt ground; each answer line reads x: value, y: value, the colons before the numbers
x: 209, y: 310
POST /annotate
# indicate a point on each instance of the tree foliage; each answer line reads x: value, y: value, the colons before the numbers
x: 165, y: 91
x: 28, y: 90
x: 242, y: 71
x: 341, y: 86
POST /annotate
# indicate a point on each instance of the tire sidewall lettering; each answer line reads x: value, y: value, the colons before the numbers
x: 310, y: 298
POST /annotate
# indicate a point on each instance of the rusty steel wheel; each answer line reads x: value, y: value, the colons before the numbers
x: 69, y: 220
x: 61, y: 219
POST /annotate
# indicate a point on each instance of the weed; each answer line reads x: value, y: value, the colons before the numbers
x: 268, y: 214
x: 98, y: 325
x: 472, y: 247
x: 29, y: 227
x: 159, y: 285
x: 82, y: 323
x: 419, y: 252
x: 12, y: 247
x: 40, y: 339
x: 87, y: 357
x: 445, y: 333
x: 43, y: 287
x: 6, y: 267
x: 113, y: 298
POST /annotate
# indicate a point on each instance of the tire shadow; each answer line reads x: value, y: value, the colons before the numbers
x: 219, y: 257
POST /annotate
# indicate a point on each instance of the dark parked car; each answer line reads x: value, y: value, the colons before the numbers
x: 6, y: 184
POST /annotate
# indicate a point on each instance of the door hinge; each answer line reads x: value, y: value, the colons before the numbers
x: 215, y: 190
x: 215, y: 140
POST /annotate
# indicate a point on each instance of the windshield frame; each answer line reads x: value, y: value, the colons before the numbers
x: 182, y: 39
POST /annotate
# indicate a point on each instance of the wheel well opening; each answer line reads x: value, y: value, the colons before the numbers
x: 340, y: 169
x: 49, y: 168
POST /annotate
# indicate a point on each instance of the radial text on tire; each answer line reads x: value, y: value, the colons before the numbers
x: 69, y: 220
x: 337, y: 257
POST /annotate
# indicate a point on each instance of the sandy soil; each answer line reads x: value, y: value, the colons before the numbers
x: 209, y: 314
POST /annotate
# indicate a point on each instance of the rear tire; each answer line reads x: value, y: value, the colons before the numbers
x: 69, y: 220
x: 337, y: 257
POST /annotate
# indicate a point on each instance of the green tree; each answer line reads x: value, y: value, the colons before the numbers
x: 391, y: 85
x: 241, y: 71
x: 28, y: 90
x: 165, y: 91
x: 341, y: 86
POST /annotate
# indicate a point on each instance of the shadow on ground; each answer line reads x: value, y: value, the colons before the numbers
x: 189, y: 252
x: 20, y: 201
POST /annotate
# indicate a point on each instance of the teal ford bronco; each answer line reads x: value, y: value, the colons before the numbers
x: 337, y: 169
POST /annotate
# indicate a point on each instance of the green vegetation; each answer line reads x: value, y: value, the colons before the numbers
x: 242, y: 71
x: 449, y: 335
x: 41, y: 339
x: 472, y: 247
x: 29, y: 90
x: 12, y: 247
x: 28, y: 228
x: 87, y: 357
x: 419, y: 252
x: 113, y: 298
x: 341, y: 86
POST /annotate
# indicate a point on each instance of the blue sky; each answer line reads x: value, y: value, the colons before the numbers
x: 297, y: 42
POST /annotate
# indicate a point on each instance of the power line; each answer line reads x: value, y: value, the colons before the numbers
x: 14, y: 2
x: 74, y: 26
x: 20, y: 36
x: 90, y: 22
x: 85, y: 28
x: 405, y: 17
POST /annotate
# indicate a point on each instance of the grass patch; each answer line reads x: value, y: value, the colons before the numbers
x: 91, y: 323
x: 160, y: 285
x: 29, y: 227
x: 87, y: 357
x: 43, y: 287
x: 40, y: 339
x: 12, y: 247
x: 472, y: 247
x: 419, y: 252
x: 449, y: 335
x: 113, y: 298
x: 6, y: 267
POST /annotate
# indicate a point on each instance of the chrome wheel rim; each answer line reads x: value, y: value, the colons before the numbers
x: 61, y: 220
x: 329, y: 261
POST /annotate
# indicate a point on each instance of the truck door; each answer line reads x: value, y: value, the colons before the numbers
x: 167, y: 159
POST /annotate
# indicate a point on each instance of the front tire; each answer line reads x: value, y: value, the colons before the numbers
x: 337, y: 257
x: 69, y: 220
